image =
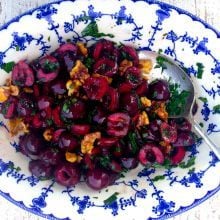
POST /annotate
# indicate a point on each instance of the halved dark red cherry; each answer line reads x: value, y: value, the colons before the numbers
x: 56, y: 116
x: 129, y: 102
x: 177, y: 155
x: 99, y: 116
x: 67, y: 174
x: 111, y: 99
x: 184, y: 138
x: 25, y: 106
x: 80, y: 129
x: 118, y: 124
x: 47, y: 69
x: 96, y: 87
x: 66, y: 54
x: 9, y: 108
x: 73, y: 109
x: 133, y: 76
x: 150, y: 153
x: 168, y: 132
x: 125, y: 87
x: 22, y: 74
x: 142, y: 89
x: 103, y: 48
x: 129, y: 53
x: 182, y: 124
x: 105, y: 67
x: 37, y: 121
x: 107, y: 142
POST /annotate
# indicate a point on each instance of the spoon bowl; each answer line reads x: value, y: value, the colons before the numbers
x: 173, y: 73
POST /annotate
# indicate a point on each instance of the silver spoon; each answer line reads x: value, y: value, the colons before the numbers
x: 175, y: 74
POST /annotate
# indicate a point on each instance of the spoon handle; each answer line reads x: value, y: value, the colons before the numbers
x: 209, y: 142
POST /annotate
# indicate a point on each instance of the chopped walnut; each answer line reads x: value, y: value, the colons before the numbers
x: 82, y: 49
x: 88, y: 141
x: 28, y: 90
x: 99, y: 75
x: 145, y: 101
x: 124, y: 65
x: 142, y: 120
x: 79, y: 72
x: 48, y: 134
x: 17, y: 125
x: 73, y: 86
x: 160, y: 109
x: 71, y: 157
x: 14, y: 90
x: 4, y: 93
x: 145, y: 66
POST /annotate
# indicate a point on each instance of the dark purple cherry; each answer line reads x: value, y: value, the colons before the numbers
x: 67, y: 174
x: 129, y: 163
x: 41, y: 169
x: 51, y: 155
x: 68, y: 142
x: 98, y: 178
x: 32, y: 144
x: 159, y: 90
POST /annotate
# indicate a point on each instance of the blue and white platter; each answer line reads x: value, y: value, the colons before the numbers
x: 145, y: 24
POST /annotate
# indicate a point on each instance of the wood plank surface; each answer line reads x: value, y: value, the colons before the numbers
x: 207, y: 10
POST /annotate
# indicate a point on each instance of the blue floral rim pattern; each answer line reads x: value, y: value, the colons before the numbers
x: 181, y: 209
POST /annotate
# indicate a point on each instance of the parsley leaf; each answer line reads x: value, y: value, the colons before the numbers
x: 177, y: 101
x: 189, y: 163
x: 111, y: 199
x: 161, y: 62
x: 203, y: 99
x: 7, y: 67
x: 88, y: 62
x: 216, y: 109
x: 92, y: 30
x: 200, y: 70
x: 157, y: 178
x: 132, y: 139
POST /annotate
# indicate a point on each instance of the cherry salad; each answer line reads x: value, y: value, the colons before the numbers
x: 90, y: 113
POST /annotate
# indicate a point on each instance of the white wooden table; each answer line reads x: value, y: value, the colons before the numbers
x: 207, y: 10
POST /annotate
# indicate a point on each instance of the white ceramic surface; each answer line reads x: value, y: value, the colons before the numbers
x: 184, y: 42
